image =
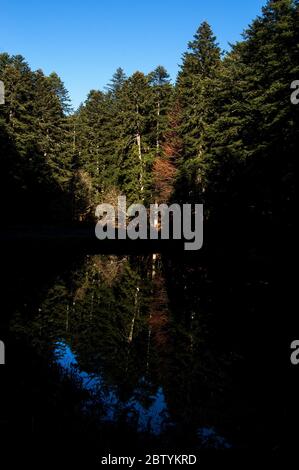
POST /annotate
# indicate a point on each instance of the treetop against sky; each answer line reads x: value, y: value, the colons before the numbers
x: 85, y: 42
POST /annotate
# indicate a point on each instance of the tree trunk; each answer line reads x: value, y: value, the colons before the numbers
x: 158, y: 129
x: 136, y: 308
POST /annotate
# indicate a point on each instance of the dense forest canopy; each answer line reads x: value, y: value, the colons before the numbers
x: 181, y: 350
x: 225, y: 134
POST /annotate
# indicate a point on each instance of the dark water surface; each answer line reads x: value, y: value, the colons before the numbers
x: 146, y: 351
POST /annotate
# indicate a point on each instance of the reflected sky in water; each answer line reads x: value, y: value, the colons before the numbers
x: 151, y: 419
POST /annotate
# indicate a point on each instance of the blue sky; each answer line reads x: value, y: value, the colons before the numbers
x: 85, y: 41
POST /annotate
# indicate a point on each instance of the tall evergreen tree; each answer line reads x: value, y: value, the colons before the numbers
x: 162, y: 91
x: 254, y: 139
x: 195, y: 87
x: 137, y: 153
x: 117, y: 82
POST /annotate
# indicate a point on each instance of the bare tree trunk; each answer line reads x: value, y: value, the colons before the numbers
x: 158, y: 129
x: 138, y: 140
x: 154, y: 260
x: 136, y: 309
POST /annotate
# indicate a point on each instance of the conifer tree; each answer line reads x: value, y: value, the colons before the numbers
x: 162, y: 91
x: 253, y: 141
x: 117, y: 82
x: 195, y: 87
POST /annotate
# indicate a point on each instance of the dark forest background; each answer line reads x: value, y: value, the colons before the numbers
x: 221, y: 320
x: 225, y: 134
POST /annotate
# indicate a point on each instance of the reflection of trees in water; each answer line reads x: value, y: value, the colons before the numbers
x: 145, y: 325
x: 92, y: 309
x: 101, y: 311
x: 193, y: 373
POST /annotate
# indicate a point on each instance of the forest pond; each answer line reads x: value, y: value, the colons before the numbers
x: 154, y: 346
